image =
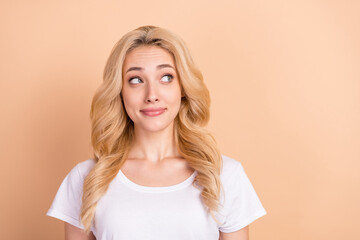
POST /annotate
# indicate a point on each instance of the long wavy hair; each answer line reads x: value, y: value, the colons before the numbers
x: 113, y: 131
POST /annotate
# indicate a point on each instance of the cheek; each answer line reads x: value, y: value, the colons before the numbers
x: 131, y: 98
x: 177, y: 99
x: 130, y: 104
x: 173, y: 95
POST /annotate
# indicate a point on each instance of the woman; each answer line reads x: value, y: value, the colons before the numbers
x: 156, y: 172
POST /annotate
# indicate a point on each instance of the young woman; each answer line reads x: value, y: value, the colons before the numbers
x: 156, y: 172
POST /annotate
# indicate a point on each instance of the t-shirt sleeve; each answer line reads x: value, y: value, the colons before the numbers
x: 242, y: 203
x: 67, y: 203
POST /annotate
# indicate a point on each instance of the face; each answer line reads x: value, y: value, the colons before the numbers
x: 151, y: 89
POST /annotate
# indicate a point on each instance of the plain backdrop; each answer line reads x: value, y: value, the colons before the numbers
x: 284, y: 80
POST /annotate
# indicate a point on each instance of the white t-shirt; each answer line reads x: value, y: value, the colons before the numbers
x: 129, y: 211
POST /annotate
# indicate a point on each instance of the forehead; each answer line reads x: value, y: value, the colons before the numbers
x: 147, y: 57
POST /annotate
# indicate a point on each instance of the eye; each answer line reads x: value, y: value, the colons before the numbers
x: 167, y: 78
x: 134, y: 80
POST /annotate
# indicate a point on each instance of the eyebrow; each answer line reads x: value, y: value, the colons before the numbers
x: 158, y: 67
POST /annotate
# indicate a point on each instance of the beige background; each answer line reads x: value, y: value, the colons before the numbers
x: 285, y: 84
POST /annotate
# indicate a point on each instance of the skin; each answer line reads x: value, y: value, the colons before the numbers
x: 242, y: 234
x: 150, y: 80
x: 153, y: 87
x: 75, y: 233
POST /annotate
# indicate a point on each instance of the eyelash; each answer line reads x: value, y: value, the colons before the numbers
x: 171, y: 78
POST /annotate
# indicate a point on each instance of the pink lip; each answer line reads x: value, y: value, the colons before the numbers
x: 152, y: 111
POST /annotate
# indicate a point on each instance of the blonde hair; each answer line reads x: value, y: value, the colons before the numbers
x: 113, y: 131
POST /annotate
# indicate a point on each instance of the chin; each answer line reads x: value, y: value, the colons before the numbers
x: 155, y: 127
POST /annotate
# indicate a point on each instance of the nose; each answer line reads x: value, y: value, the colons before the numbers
x: 152, y: 99
x: 151, y: 95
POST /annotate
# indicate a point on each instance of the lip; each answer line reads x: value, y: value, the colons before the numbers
x: 152, y: 111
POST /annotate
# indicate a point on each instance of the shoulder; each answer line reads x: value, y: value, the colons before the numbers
x: 67, y: 203
x: 229, y: 166
x: 83, y: 168
x: 80, y: 171
x: 75, y: 178
x: 240, y: 203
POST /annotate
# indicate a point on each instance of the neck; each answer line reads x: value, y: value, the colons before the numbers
x: 153, y: 147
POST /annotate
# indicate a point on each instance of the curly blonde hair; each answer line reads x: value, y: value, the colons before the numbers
x: 113, y: 131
